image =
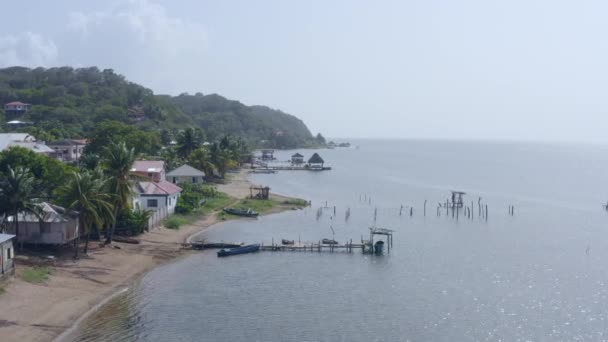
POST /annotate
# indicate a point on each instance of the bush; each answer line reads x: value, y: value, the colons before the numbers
x: 174, y: 222
x: 183, y: 208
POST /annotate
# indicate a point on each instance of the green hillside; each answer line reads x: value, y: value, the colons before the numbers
x: 68, y: 103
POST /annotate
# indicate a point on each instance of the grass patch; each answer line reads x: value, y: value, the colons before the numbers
x: 220, y: 201
x: 176, y: 221
x: 260, y: 206
x: 296, y: 202
x: 36, y: 275
x: 2, y: 290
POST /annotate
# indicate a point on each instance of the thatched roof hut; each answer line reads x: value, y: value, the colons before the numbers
x: 316, y: 159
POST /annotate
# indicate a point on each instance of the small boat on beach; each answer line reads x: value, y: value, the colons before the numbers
x: 241, y: 212
x: 215, y: 245
x: 287, y: 242
x: 238, y: 250
x: 329, y: 242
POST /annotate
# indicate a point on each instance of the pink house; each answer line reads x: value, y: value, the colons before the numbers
x: 149, y: 169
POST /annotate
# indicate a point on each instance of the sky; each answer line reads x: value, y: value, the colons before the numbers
x: 468, y: 69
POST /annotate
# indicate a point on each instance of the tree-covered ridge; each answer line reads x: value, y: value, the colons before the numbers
x: 69, y: 103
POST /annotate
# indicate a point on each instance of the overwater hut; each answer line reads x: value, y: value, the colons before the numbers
x: 297, y: 159
x: 267, y: 154
x: 316, y: 162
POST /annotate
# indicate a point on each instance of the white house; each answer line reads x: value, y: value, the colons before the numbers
x: 159, y: 197
x: 68, y: 150
x: 7, y: 254
x: 186, y: 174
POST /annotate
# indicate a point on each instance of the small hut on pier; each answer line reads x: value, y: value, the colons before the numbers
x: 316, y: 162
x: 297, y: 159
x: 267, y: 154
x: 457, y: 201
x: 259, y: 192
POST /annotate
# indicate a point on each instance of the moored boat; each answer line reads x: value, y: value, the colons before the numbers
x: 329, y: 242
x: 215, y: 245
x: 238, y: 250
x: 287, y: 242
x: 241, y: 212
x: 379, y: 247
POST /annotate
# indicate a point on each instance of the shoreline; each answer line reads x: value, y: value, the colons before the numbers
x: 52, y: 310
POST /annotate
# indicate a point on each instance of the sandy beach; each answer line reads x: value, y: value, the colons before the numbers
x: 41, y: 312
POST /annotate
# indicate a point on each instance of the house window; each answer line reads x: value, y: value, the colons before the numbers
x: 150, y: 174
x: 9, y: 253
x: 194, y: 179
x: 152, y: 203
x: 174, y: 180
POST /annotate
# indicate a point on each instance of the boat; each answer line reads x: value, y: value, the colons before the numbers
x: 329, y: 242
x: 379, y: 247
x: 207, y: 245
x: 238, y: 250
x: 287, y: 242
x: 241, y: 212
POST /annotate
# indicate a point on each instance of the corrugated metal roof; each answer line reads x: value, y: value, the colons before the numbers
x: 6, y: 237
x: 162, y: 188
x: 148, y: 166
x: 186, y: 171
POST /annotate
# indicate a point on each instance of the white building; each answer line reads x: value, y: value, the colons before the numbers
x: 8, y: 140
x: 68, y: 150
x: 186, y: 174
x: 159, y: 197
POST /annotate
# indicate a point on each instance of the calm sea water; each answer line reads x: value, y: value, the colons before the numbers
x: 540, y: 275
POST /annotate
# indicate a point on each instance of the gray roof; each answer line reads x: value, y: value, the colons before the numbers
x: 186, y: 171
x: 297, y: 155
x: 315, y: 159
x: 6, y: 237
x: 23, y: 140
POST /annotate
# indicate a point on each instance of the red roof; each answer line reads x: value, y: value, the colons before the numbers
x: 148, y: 166
x: 162, y: 188
x: 16, y: 103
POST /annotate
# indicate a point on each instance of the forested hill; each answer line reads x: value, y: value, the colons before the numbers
x: 68, y: 102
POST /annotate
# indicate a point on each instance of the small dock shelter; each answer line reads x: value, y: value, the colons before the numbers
x: 267, y: 154
x: 297, y: 159
x: 316, y: 162
x: 7, y: 255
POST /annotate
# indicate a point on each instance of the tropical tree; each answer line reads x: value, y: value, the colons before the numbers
x: 117, y: 162
x: 18, y: 194
x: 201, y: 159
x: 189, y: 140
x: 86, y: 193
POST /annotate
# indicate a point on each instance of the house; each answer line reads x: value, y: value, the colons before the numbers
x: 267, y: 154
x: 68, y: 150
x: 185, y: 174
x: 14, y: 109
x: 297, y: 159
x: 158, y: 197
x: 153, y: 170
x: 55, y: 226
x: 7, y: 254
x: 25, y: 140
x: 316, y: 162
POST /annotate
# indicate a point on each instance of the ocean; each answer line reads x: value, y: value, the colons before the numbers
x: 537, y: 275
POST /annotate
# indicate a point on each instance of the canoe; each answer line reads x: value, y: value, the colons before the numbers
x: 329, y: 242
x: 379, y: 247
x: 241, y: 212
x: 238, y: 250
x: 287, y: 242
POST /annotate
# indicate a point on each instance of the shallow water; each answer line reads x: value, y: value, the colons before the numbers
x: 538, y: 275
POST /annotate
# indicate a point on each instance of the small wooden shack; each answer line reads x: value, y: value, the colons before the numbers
x: 7, y: 254
x: 267, y: 154
x: 297, y: 159
x: 457, y: 201
x: 316, y: 162
x: 55, y: 226
x: 259, y: 192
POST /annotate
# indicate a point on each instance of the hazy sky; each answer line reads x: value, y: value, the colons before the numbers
x: 532, y: 70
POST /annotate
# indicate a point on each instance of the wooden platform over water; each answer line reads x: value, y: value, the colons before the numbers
x: 365, y: 247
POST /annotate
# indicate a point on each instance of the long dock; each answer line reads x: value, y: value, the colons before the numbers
x: 365, y: 247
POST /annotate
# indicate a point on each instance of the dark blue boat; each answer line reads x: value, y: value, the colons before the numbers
x: 239, y: 250
x: 379, y: 247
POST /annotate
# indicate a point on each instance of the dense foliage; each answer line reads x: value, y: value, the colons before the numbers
x: 72, y: 103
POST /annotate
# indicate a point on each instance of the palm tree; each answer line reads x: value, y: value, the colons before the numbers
x: 188, y: 141
x: 118, y: 161
x: 201, y: 159
x: 18, y: 194
x: 85, y: 192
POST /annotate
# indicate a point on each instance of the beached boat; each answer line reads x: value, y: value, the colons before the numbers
x: 287, y: 242
x: 241, y: 212
x: 329, y: 242
x: 379, y: 247
x: 215, y: 245
x: 238, y: 250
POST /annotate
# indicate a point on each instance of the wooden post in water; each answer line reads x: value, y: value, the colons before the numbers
x: 457, y: 211
x: 447, y: 209
x: 411, y: 211
x: 375, y: 213
x: 438, y: 212
x: 401, y: 210
x: 479, y: 206
x: 424, y: 207
x: 486, y: 212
